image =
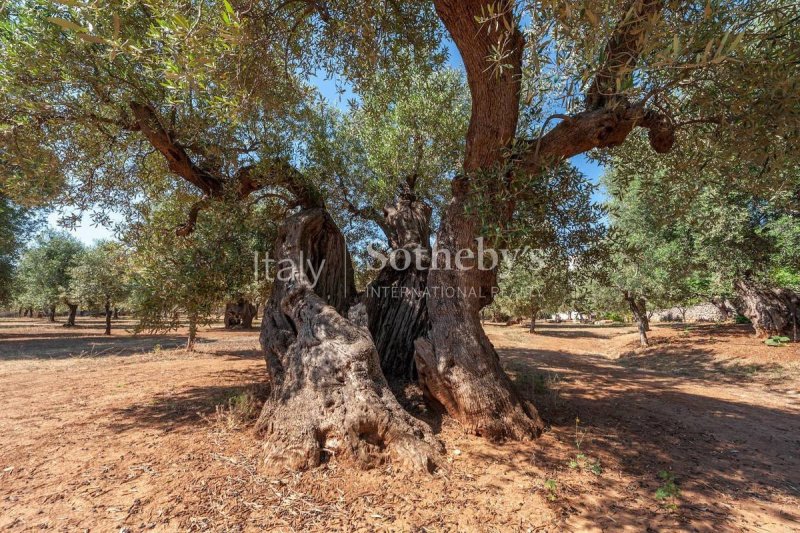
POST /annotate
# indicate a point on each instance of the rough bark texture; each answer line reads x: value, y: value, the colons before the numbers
x: 456, y: 363
x: 192, y: 334
x: 722, y: 305
x: 772, y: 311
x: 395, y: 302
x: 328, y: 395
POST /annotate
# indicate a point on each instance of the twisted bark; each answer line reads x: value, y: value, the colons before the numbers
x: 328, y: 395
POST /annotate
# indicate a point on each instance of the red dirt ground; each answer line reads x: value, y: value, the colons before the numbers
x: 132, y: 433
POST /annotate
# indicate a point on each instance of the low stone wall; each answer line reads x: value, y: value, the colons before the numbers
x: 706, y: 312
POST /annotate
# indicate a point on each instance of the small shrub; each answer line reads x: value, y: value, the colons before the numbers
x: 777, y: 340
x: 668, y: 492
x: 239, y: 409
x: 551, y: 486
x: 741, y: 319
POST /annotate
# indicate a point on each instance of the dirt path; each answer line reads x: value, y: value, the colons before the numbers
x: 140, y: 436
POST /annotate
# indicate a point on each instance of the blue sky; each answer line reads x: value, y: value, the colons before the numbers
x: 87, y: 232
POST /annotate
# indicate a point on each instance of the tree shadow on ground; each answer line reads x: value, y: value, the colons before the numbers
x: 186, y: 409
x: 702, y: 364
x: 65, y: 346
x: 566, y: 333
x: 242, y: 353
x: 640, y: 422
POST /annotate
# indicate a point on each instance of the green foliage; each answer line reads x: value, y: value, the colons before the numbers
x: 551, y: 486
x: 669, y: 491
x: 44, y: 277
x: 777, y: 340
x: 101, y: 276
x: 411, y: 126
x: 555, y: 234
x: 177, y: 281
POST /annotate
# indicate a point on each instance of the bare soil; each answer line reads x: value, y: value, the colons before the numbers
x: 132, y: 433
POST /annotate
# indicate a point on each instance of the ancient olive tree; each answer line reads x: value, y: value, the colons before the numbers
x: 124, y: 103
x: 152, y: 99
x: 391, y: 157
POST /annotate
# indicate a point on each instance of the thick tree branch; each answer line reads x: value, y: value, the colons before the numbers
x: 599, y: 128
x: 492, y: 54
x: 187, y: 228
x: 178, y: 160
x: 278, y: 173
x: 622, y: 50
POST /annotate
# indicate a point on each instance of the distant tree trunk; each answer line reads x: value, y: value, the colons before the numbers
x: 242, y: 313
x: 772, y: 311
x: 328, y: 395
x: 52, y: 313
x: 638, y: 307
x: 396, y: 309
x: 73, y: 310
x: 30, y: 312
x: 534, y: 312
x: 231, y: 316
x: 192, y: 333
x: 722, y: 306
x: 248, y: 314
x: 108, y: 316
x: 116, y: 313
x: 682, y: 311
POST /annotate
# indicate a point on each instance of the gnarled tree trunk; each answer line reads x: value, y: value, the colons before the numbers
x: 456, y: 363
x: 328, y: 394
x: 242, y: 313
x: 722, y: 305
x: 772, y: 311
x: 395, y: 302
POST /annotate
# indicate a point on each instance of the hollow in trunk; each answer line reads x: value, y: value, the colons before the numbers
x: 395, y: 303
